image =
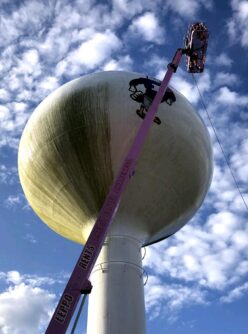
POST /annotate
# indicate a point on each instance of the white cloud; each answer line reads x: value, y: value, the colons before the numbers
x: 147, y: 26
x: 4, y: 113
x: 164, y: 299
x: 42, y: 42
x: 121, y: 64
x: 188, y: 8
x: 4, y: 94
x: 13, y: 116
x: 25, y: 71
x: 237, y: 25
x: 13, y: 201
x: 97, y: 49
x: 8, y: 175
x: 202, y: 256
x: 29, y: 237
x: 90, y: 54
x: 228, y: 97
x: 239, y: 160
x: 223, y: 60
x: 30, y: 16
x: 188, y: 89
x: 26, y: 302
x: 223, y: 193
x: 243, y: 10
x: 31, y: 59
x: 46, y: 32
x: 25, y: 309
x: 157, y: 65
x: 224, y: 78
x: 11, y: 32
x: 14, y: 277
x: 18, y: 107
x: 10, y: 142
x: 231, y: 28
x: 240, y: 239
x: 47, y: 85
x: 127, y: 9
x: 235, y: 294
x: 61, y: 68
x: 57, y: 41
x: 222, y: 225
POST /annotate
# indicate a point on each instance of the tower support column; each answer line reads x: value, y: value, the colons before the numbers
x: 116, y: 303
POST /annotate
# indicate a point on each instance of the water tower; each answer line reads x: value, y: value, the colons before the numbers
x: 70, y: 152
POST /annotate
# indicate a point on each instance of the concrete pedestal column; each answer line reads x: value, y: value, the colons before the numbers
x: 116, y: 303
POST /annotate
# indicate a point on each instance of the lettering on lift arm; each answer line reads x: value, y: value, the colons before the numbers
x: 63, y: 308
x: 86, y: 256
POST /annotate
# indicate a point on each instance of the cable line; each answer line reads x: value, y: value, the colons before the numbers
x: 78, y: 314
x: 219, y: 142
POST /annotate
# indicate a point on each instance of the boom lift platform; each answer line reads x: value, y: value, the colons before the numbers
x: 196, y: 43
x: 195, y: 50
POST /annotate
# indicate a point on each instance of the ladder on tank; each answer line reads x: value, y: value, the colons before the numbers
x: 79, y: 281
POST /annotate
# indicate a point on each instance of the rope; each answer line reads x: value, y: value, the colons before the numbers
x: 218, y: 140
x: 78, y: 314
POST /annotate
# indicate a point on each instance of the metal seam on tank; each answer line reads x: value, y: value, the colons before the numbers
x: 98, y: 266
x: 47, y: 142
x: 121, y: 236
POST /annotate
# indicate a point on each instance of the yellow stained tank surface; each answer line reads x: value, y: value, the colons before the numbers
x: 76, y: 139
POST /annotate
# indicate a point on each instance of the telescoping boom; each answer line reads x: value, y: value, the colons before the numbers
x: 79, y: 281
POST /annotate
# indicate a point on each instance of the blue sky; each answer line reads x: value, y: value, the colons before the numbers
x: 197, y: 278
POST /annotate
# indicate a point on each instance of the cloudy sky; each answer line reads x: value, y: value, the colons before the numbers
x: 197, y: 278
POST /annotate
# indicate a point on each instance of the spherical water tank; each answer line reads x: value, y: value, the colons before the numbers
x: 75, y: 141
x: 70, y: 152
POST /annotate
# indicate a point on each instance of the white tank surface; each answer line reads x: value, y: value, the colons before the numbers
x: 76, y: 139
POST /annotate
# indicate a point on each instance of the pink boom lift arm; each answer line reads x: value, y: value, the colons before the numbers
x: 78, y: 282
